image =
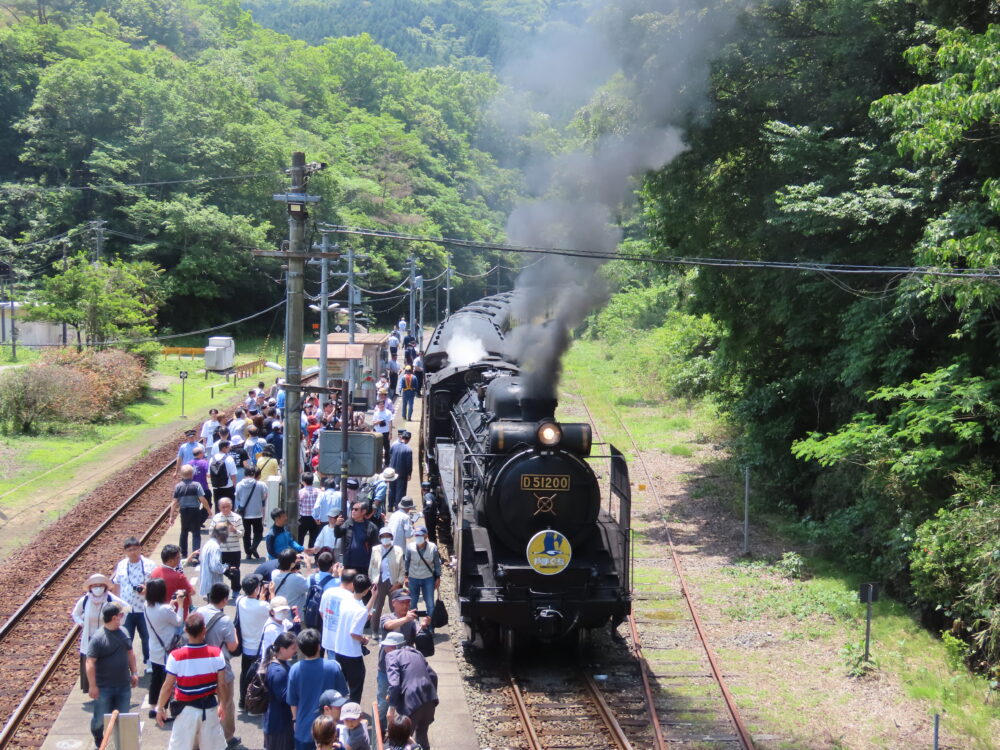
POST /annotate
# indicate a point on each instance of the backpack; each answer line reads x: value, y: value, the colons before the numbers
x: 217, y: 472
x: 311, y: 615
x: 257, y: 696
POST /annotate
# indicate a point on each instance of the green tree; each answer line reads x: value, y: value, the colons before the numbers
x: 105, y: 301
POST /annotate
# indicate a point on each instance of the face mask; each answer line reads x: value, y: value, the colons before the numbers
x: 281, y: 616
x: 98, y: 591
x: 386, y: 542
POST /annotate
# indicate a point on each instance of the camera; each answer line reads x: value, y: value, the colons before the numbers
x: 139, y: 589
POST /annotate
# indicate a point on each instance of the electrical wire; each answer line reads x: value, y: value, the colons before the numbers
x: 195, y: 333
x: 118, y: 186
x: 835, y: 268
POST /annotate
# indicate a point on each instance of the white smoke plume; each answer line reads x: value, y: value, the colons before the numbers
x: 663, y: 48
x: 464, y: 348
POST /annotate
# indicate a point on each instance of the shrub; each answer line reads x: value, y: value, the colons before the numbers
x: 123, y: 375
x: 49, y: 393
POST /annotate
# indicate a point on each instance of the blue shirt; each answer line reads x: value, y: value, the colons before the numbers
x: 278, y: 539
x: 307, y: 681
x: 278, y: 716
x: 186, y: 452
x: 327, y: 499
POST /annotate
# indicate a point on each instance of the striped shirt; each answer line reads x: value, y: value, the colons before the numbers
x: 307, y: 499
x: 196, y: 668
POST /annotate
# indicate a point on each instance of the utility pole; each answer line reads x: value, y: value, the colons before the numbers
x: 64, y: 271
x: 413, y: 292
x: 351, y: 323
x: 296, y: 200
x: 324, y: 315
x: 447, y: 289
x: 420, y: 313
x: 98, y: 226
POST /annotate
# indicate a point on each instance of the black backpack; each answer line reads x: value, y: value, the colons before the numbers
x: 217, y: 471
x: 257, y: 697
x: 311, y: 615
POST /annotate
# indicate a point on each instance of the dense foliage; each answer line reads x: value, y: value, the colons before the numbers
x: 185, y: 114
x: 852, y: 132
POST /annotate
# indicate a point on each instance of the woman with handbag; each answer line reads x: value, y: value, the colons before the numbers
x: 164, y: 623
x: 279, y: 727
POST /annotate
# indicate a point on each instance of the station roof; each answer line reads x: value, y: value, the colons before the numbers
x: 335, y: 351
x: 359, y: 338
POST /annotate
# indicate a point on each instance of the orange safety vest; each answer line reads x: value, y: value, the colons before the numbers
x: 408, y: 382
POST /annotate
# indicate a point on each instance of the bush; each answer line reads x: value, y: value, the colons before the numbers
x: 69, y: 386
x: 48, y: 393
x: 121, y: 373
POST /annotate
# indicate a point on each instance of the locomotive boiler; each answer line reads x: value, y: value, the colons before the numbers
x: 540, y: 553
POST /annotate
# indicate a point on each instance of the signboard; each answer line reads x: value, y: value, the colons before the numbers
x: 549, y: 552
x: 868, y: 590
x: 364, y: 449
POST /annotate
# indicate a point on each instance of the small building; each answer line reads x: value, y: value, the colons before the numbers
x: 32, y: 333
x: 370, y: 349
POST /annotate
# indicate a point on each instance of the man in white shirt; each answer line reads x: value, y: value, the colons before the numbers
x: 231, y: 547
x: 129, y: 582
x: 399, y: 522
x: 386, y: 572
x: 349, y: 638
x: 329, y: 607
x: 382, y: 424
x: 327, y: 536
x: 223, y: 479
x: 328, y: 500
x: 253, y: 612
x: 237, y: 424
x: 213, y: 570
x: 209, y: 427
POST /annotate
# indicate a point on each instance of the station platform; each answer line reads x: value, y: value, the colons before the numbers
x: 452, y: 728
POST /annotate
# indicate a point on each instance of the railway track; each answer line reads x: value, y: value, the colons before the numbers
x: 564, y: 708
x: 34, y: 638
x: 687, y: 701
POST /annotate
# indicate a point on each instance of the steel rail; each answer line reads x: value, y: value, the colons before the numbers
x: 607, y: 716
x: 647, y: 688
x: 13, y: 723
x: 746, y: 741
x: 71, y: 558
x: 522, y: 712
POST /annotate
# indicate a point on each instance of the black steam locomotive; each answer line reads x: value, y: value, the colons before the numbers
x: 538, y: 555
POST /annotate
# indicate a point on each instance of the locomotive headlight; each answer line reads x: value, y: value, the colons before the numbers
x: 549, y: 434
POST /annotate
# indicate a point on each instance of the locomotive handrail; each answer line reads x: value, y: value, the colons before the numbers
x: 468, y: 448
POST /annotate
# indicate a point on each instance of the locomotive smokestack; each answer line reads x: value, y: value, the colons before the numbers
x: 535, y: 409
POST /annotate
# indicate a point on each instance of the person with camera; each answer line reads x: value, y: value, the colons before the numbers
x: 164, y: 618
x: 288, y: 581
x: 252, y: 613
x: 221, y: 633
x: 129, y: 582
x: 231, y: 547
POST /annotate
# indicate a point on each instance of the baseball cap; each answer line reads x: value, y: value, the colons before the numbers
x: 351, y: 711
x: 332, y: 698
x: 280, y: 603
x: 420, y: 532
x: 399, y: 595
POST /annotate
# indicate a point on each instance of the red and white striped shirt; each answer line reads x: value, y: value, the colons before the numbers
x: 196, y: 668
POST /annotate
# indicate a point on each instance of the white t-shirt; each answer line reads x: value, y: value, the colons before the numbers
x: 353, y: 616
x: 329, y: 607
x: 236, y: 427
x: 254, y: 613
x: 208, y: 429
x: 272, y: 630
x: 230, y: 468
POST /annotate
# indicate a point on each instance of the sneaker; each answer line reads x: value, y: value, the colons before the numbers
x: 233, y: 742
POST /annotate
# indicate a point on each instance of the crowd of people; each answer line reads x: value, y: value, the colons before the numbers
x: 305, y: 618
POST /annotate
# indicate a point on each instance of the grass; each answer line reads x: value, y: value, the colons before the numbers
x: 24, y: 355
x: 807, y: 605
x: 51, y: 470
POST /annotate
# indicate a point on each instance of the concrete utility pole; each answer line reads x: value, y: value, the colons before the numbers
x: 351, y: 323
x: 420, y: 313
x: 296, y: 200
x: 324, y: 315
x: 447, y: 289
x: 413, y: 292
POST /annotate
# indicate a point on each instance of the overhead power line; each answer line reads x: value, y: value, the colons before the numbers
x: 832, y: 268
x: 200, y: 331
x: 118, y: 185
